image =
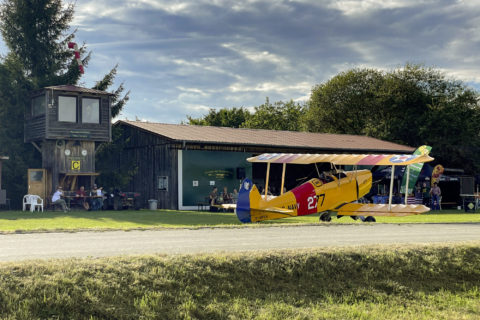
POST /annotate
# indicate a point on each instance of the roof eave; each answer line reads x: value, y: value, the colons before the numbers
x: 289, y: 146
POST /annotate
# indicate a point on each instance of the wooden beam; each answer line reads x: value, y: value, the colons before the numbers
x: 98, y: 147
x: 36, y: 146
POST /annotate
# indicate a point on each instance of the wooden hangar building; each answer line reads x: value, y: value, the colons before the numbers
x: 178, y: 165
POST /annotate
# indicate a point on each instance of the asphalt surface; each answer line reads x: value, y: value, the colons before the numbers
x: 18, y: 247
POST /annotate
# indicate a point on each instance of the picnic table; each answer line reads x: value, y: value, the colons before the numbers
x: 71, y: 198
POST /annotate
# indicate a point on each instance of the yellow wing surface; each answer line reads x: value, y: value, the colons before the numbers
x: 343, y: 159
x: 396, y: 210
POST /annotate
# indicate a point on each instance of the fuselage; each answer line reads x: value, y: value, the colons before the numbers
x: 318, y: 195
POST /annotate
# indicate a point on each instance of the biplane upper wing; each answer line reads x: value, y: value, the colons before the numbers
x: 369, y: 209
x: 343, y: 159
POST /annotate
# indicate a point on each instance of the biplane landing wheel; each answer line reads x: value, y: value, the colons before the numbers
x: 369, y: 219
x: 325, y: 217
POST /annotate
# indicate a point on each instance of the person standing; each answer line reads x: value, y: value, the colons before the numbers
x: 213, y: 198
x: 436, y: 194
x: 418, y: 194
x: 426, y: 194
x: 97, y: 201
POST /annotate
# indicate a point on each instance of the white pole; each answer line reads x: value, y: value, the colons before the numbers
x: 283, y: 178
x: 391, y: 189
x: 406, y: 186
x: 266, y: 179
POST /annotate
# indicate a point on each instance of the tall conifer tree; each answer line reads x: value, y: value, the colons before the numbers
x: 37, y: 33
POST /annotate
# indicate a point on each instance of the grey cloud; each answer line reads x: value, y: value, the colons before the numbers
x: 238, y: 52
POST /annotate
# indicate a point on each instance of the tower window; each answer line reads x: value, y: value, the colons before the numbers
x: 90, y: 110
x: 67, y: 109
x: 38, y: 106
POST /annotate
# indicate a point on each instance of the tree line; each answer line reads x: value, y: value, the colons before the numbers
x: 411, y: 105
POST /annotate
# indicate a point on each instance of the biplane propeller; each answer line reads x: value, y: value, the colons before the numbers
x: 338, y: 191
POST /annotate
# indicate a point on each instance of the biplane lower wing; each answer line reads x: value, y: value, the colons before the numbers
x: 257, y: 215
x: 396, y: 210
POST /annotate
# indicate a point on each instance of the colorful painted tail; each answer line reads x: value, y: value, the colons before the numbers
x: 244, y: 201
x: 252, y: 208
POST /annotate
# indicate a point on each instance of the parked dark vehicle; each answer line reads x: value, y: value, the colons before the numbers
x: 119, y: 200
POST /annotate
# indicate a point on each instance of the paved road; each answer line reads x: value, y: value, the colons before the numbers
x: 16, y: 247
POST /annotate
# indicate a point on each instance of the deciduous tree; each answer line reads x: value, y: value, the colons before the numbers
x: 277, y: 116
x: 413, y: 105
x: 225, y: 117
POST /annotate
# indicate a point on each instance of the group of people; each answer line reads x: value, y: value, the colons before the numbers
x: 423, y: 194
x: 429, y: 196
x: 93, y: 201
x: 224, y: 197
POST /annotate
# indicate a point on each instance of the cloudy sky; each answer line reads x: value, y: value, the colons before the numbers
x: 183, y: 57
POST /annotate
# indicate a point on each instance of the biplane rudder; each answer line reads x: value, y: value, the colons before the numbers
x: 248, y: 197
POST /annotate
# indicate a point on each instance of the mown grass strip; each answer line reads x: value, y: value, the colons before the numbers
x: 417, y: 282
x: 18, y: 221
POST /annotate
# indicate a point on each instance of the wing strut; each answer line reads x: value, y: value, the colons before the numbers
x: 318, y: 172
x: 406, y: 185
x: 283, y: 177
x: 391, y: 189
x: 266, y: 179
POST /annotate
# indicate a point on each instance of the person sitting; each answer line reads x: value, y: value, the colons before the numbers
x: 56, y: 199
x: 235, y: 196
x: 81, y: 197
x: 227, y: 197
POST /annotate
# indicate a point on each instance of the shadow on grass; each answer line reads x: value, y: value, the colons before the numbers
x: 128, y: 219
x: 142, y: 217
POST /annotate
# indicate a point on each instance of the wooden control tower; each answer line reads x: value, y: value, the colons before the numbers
x: 66, y: 124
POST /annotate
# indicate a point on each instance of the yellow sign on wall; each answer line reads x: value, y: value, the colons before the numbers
x: 76, y: 165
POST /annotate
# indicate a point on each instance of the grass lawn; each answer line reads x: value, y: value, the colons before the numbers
x: 414, y: 282
x: 18, y: 221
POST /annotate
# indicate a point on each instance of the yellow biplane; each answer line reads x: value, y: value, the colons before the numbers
x: 336, y: 191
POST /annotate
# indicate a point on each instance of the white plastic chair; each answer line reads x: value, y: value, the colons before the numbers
x: 33, y: 201
x: 26, y: 200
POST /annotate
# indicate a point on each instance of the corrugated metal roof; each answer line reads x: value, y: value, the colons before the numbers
x: 68, y: 87
x: 274, y: 138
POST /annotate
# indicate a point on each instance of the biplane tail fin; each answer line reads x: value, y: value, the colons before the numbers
x: 247, y: 196
x: 251, y: 207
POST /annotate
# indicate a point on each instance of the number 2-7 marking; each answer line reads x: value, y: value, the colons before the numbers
x: 313, y: 202
x: 323, y: 198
